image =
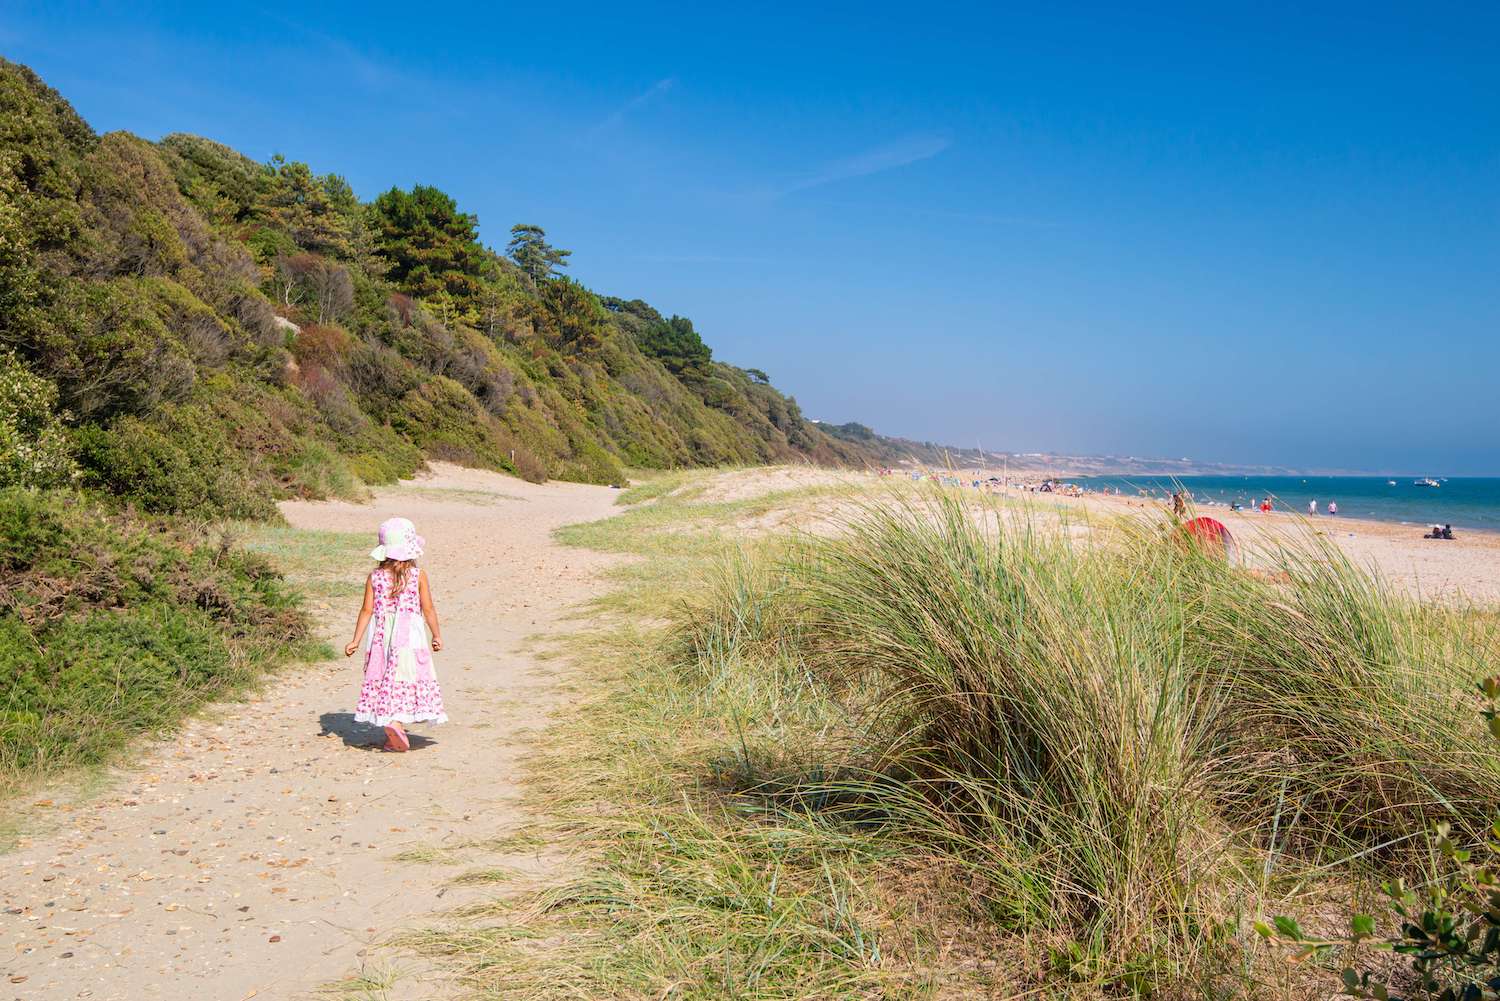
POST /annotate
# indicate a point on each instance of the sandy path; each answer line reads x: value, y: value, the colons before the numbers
x: 252, y: 855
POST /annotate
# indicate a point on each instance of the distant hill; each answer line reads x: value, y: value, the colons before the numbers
x: 890, y: 451
x: 202, y: 333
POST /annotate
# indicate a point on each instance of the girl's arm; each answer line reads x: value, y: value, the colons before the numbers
x: 365, y: 611
x: 428, y: 612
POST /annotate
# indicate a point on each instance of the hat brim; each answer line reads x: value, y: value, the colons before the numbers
x: 378, y: 553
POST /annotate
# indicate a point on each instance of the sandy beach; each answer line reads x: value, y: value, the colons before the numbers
x: 1466, y: 568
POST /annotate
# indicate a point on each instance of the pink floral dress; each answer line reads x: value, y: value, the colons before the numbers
x: 400, y: 685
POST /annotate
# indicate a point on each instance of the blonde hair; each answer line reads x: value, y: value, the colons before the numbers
x: 400, y: 571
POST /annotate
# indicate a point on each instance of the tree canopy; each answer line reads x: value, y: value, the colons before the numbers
x: 676, y: 345
x: 533, y: 254
x: 432, y: 247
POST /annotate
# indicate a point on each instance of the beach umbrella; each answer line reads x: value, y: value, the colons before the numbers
x: 1211, y: 533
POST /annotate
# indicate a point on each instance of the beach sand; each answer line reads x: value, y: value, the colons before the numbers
x: 1464, y: 569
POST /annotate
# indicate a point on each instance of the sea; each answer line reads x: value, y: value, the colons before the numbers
x: 1463, y: 502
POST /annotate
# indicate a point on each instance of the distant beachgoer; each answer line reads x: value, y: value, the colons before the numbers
x: 1312, y: 506
x: 1179, y: 506
x: 1333, y: 508
x: 399, y: 628
x: 1265, y: 506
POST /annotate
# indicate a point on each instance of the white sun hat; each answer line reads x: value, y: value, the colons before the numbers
x: 398, y: 541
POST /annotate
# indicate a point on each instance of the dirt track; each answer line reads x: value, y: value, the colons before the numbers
x: 253, y: 855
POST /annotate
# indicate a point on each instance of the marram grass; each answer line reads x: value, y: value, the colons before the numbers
x: 1105, y: 729
x: 953, y: 750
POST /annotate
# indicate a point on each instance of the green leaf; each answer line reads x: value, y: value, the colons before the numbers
x: 1351, y: 979
x: 1362, y: 924
x: 1264, y: 930
x: 1288, y: 927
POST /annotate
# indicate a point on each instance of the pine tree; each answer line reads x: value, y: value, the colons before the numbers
x: 533, y: 254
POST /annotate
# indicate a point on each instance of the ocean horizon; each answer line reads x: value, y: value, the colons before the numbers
x: 1471, y: 502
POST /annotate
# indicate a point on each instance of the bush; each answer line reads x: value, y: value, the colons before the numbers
x: 179, y: 462
x: 448, y: 423
x: 592, y: 464
x: 110, y: 627
x: 317, y: 472
x: 34, y: 447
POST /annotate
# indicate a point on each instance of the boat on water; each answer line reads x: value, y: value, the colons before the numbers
x: 1426, y: 481
x: 1390, y: 483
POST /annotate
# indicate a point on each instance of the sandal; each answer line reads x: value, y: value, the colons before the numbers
x: 396, y: 739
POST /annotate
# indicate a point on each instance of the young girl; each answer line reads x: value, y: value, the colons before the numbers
x: 400, y: 686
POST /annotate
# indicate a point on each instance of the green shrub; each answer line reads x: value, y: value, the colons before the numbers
x: 446, y: 421
x: 179, y: 461
x: 592, y: 464
x: 111, y: 627
x: 34, y: 446
x: 316, y: 471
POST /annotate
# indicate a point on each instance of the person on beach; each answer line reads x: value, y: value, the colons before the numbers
x: 1333, y: 508
x: 399, y: 628
x: 1312, y: 506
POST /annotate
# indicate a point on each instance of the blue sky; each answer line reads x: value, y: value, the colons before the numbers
x: 1252, y: 233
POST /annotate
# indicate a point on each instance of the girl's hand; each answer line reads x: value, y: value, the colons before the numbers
x: 350, y: 647
x: 437, y: 643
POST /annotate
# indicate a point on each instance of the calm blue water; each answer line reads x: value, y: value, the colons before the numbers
x: 1466, y: 502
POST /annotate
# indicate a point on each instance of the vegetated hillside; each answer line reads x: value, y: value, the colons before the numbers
x: 204, y: 333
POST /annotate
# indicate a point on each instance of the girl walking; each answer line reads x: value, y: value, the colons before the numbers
x: 399, y: 627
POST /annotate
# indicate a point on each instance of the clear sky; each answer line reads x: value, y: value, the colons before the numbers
x: 1261, y: 233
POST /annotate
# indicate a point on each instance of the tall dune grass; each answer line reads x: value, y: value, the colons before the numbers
x: 1121, y: 736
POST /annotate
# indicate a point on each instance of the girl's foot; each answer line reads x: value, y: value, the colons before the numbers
x: 396, y: 739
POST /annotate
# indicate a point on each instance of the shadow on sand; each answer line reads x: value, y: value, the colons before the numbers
x: 365, y: 736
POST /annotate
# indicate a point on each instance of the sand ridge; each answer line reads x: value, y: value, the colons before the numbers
x: 252, y: 854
